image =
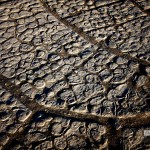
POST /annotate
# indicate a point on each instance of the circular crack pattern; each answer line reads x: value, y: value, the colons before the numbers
x: 74, y: 74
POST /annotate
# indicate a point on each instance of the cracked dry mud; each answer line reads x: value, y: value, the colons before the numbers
x: 74, y: 74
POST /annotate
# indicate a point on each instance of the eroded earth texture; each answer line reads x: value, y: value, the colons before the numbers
x: 74, y: 74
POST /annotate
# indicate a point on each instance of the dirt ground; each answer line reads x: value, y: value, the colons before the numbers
x: 74, y: 75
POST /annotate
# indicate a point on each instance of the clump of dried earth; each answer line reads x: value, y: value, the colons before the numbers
x: 74, y: 74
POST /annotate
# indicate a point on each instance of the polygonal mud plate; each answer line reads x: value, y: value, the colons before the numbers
x: 74, y: 74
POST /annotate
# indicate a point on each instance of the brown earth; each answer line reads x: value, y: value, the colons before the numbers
x: 74, y: 74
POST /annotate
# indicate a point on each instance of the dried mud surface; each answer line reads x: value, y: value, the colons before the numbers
x: 74, y: 74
